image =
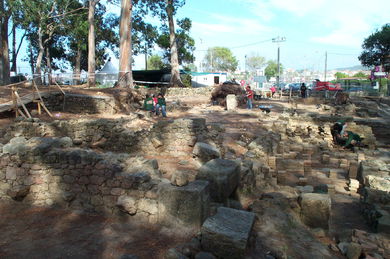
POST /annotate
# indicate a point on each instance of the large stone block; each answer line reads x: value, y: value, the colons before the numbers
x: 205, y: 152
x: 187, y: 205
x: 315, y: 209
x: 231, y: 102
x: 226, y: 233
x: 223, y: 175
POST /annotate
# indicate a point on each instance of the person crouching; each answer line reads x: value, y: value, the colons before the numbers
x: 161, y: 105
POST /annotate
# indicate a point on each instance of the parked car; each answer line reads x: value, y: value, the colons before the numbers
x: 294, y: 86
x: 323, y: 86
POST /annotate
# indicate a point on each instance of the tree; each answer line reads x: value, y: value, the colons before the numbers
x: 340, y: 75
x: 6, y: 8
x: 125, y: 76
x: 144, y: 37
x: 42, y: 19
x: 185, y: 44
x: 360, y: 74
x: 255, y: 62
x: 220, y: 59
x: 91, y: 42
x: 155, y: 62
x: 376, y: 48
x: 272, y: 69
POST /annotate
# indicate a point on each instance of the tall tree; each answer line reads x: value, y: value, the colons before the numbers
x: 5, y: 14
x: 185, y: 44
x: 220, y: 59
x: 125, y: 51
x: 376, y: 49
x: 91, y: 42
x: 42, y: 19
x: 255, y: 62
x: 144, y: 37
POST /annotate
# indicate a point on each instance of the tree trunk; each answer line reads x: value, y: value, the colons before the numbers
x: 32, y: 61
x: 13, y: 67
x: 4, y: 51
x: 175, y: 73
x: 77, y: 68
x: 125, y: 76
x: 48, y: 63
x: 38, y: 65
x: 15, y: 51
x: 91, y: 43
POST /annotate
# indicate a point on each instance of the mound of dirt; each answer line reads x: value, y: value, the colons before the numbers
x: 218, y: 96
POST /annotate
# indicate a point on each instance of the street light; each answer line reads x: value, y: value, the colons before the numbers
x: 278, y: 40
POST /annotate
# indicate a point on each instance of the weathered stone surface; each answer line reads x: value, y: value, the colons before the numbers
x: 353, y: 251
x: 204, y: 255
x: 315, y: 209
x: 223, y: 175
x: 231, y: 102
x: 226, y: 233
x: 179, y: 178
x: 188, y: 205
x: 205, y: 152
x: 18, y: 192
x: 174, y: 254
x: 127, y: 204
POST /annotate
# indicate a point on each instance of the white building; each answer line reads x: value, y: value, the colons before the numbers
x: 203, y: 79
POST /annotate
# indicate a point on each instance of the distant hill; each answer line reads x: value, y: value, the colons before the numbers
x: 353, y: 68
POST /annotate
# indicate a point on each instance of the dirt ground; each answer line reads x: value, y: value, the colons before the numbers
x: 53, y: 233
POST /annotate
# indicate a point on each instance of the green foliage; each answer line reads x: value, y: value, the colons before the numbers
x: 340, y: 75
x: 255, y: 62
x: 185, y: 44
x: 376, y: 48
x: 186, y: 79
x: 155, y: 63
x: 360, y: 74
x: 190, y: 67
x: 220, y: 59
x: 272, y: 69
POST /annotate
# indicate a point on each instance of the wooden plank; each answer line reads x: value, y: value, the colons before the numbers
x: 14, y: 102
x: 59, y: 87
x: 43, y: 104
x: 21, y: 102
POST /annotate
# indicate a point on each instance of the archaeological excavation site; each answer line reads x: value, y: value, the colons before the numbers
x: 87, y: 173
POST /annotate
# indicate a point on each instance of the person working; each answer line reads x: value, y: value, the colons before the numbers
x: 249, y: 95
x: 337, y: 131
x: 353, y: 140
x: 148, y: 103
x: 161, y: 105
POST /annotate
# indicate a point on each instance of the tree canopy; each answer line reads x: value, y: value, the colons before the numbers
x: 220, y: 59
x: 376, y: 49
x: 340, y: 75
x: 272, y: 69
x: 255, y: 62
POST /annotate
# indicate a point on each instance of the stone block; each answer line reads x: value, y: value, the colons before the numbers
x: 226, y: 234
x: 315, y: 209
x: 223, y: 175
x: 325, y: 158
x: 179, y: 178
x: 125, y: 203
x: 205, y: 152
x: 353, y: 169
x: 188, y: 205
x: 231, y: 102
x: 281, y: 177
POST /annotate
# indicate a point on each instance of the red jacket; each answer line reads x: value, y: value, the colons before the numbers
x: 249, y: 93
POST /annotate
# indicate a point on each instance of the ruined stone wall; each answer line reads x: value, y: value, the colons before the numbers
x: 173, y: 136
x: 78, y: 103
x: 48, y: 171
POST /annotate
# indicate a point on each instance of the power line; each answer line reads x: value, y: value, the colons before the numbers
x: 243, y: 46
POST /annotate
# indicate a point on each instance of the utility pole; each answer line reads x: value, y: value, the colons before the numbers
x: 278, y: 40
x: 326, y: 65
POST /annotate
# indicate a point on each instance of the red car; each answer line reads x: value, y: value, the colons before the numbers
x: 322, y: 86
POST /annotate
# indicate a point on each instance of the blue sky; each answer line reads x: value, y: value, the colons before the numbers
x: 311, y: 27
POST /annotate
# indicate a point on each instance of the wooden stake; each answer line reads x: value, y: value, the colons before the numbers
x: 21, y: 113
x: 21, y: 102
x: 63, y: 104
x: 42, y: 103
x: 14, y: 101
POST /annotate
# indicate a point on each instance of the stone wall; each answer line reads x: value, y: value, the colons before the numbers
x: 78, y: 103
x: 172, y: 136
x: 201, y: 91
x: 49, y: 171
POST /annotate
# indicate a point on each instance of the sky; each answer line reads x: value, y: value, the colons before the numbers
x: 310, y: 27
